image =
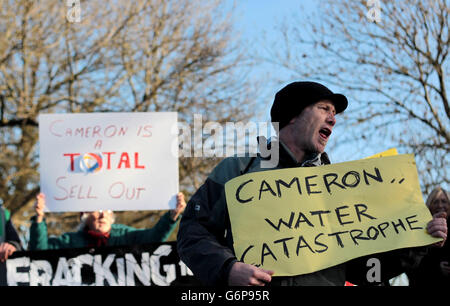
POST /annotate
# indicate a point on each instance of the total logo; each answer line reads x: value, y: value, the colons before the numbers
x: 96, y: 162
x: 91, y: 162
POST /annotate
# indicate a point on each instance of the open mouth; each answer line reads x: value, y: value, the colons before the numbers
x: 438, y: 210
x: 325, y: 132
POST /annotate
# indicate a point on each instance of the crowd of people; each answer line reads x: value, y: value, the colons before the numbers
x: 306, y: 113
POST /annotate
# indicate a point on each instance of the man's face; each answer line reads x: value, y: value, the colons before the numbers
x: 100, y: 221
x: 440, y: 204
x: 313, y: 126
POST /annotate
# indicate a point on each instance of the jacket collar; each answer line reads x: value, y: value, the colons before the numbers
x: 287, y: 159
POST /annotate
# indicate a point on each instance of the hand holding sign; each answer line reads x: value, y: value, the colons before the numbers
x: 39, y: 207
x: 116, y: 161
x: 437, y: 227
x: 179, y: 209
x: 300, y: 220
x: 242, y: 274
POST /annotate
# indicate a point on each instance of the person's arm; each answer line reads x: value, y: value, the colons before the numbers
x: 176, y: 213
x: 38, y: 228
x: 161, y: 231
x: 203, y: 242
x: 38, y: 235
x: 11, y: 235
x: 39, y: 239
x: 201, y: 237
x: 12, y: 241
x: 158, y: 233
x: 396, y: 262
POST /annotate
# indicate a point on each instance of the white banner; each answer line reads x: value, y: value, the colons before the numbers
x: 116, y: 161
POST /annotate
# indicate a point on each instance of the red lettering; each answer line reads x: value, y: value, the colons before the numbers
x: 108, y: 164
x: 147, y: 129
x: 51, y: 128
x: 130, y: 197
x: 88, y: 194
x: 122, y: 131
x: 79, y: 196
x: 96, y: 131
x: 136, y: 161
x: 139, y: 189
x: 116, y: 195
x: 118, y: 190
x: 72, y: 159
x: 98, y: 145
x: 73, y: 190
x: 110, y: 131
x: 124, y: 159
x: 65, y: 190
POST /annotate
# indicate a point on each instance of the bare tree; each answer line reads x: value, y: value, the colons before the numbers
x: 395, y: 71
x: 155, y: 55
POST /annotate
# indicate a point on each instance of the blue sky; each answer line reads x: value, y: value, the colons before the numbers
x: 256, y: 22
x: 261, y: 15
x: 253, y: 20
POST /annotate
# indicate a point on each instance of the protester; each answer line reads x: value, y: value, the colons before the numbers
x: 434, y: 268
x: 306, y: 114
x: 9, y: 239
x: 98, y: 229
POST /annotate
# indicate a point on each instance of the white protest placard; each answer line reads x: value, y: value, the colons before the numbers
x: 117, y: 161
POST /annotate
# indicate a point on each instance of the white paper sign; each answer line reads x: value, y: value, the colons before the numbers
x: 117, y: 161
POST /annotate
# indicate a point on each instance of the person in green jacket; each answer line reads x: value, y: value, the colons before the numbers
x: 98, y: 229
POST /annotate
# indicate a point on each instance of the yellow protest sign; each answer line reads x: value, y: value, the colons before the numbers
x: 390, y: 152
x: 300, y: 220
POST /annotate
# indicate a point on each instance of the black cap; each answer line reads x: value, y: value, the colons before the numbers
x: 294, y: 97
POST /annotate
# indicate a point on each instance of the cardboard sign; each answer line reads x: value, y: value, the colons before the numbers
x: 390, y: 152
x: 116, y: 161
x: 301, y: 220
x: 156, y: 264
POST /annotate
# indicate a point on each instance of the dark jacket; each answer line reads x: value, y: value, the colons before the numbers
x: 205, y: 243
x: 8, y: 232
x: 429, y: 272
x: 119, y: 235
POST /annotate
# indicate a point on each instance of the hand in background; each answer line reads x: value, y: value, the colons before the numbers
x: 39, y: 207
x: 438, y: 227
x: 6, y: 250
x: 179, y: 209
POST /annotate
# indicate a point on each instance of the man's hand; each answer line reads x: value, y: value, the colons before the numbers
x: 39, y: 207
x: 6, y: 250
x: 181, y: 205
x: 242, y: 274
x: 438, y: 227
